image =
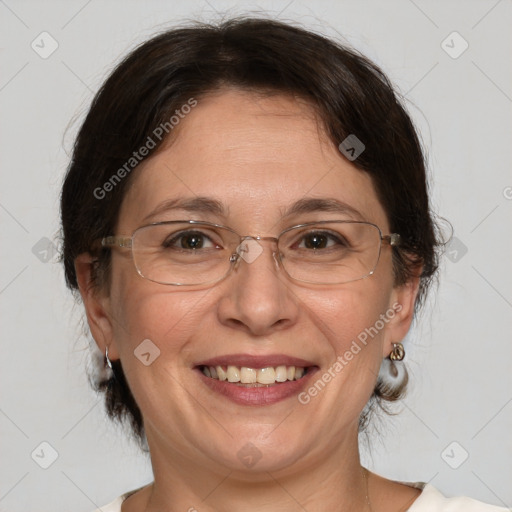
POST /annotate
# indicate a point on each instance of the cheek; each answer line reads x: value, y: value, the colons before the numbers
x: 346, y: 314
x: 147, y: 311
x: 349, y: 319
x: 153, y: 335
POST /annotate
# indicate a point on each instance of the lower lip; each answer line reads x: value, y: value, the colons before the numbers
x: 257, y: 395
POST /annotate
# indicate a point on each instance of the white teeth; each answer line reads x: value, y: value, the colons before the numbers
x: 266, y: 376
x: 281, y: 374
x: 233, y: 374
x: 221, y: 374
x: 246, y: 375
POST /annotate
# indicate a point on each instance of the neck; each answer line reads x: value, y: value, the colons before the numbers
x: 331, y: 480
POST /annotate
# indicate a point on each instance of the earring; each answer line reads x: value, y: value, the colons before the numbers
x: 398, y: 352
x: 109, y: 363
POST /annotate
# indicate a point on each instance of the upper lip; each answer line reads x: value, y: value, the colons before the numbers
x: 259, y: 361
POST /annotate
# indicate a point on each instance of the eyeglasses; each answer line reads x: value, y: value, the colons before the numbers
x: 190, y: 253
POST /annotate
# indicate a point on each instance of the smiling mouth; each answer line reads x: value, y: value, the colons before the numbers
x: 254, y: 377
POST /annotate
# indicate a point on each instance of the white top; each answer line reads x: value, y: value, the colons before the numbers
x: 430, y: 500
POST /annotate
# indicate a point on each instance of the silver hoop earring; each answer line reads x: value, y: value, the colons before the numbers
x: 109, y: 363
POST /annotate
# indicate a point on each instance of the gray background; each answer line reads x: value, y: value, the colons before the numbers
x: 459, y: 353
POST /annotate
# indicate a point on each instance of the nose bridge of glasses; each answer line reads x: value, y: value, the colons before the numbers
x: 250, y: 248
x: 261, y: 238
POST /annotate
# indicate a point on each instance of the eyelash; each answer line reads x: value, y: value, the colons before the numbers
x: 169, y: 243
x: 176, y: 237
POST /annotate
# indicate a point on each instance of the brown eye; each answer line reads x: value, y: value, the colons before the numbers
x: 189, y: 240
x: 192, y: 241
x: 316, y: 240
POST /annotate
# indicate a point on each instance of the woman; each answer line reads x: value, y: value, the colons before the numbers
x: 247, y: 221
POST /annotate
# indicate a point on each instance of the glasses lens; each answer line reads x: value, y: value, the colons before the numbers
x: 330, y: 252
x: 183, y: 253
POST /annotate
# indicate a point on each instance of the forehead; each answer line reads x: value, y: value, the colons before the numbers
x: 256, y: 156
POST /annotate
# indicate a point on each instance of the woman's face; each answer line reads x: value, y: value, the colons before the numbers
x: 256, y: 157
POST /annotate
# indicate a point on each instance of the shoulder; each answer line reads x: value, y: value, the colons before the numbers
x: 431, y: 500
x: 115, y: 506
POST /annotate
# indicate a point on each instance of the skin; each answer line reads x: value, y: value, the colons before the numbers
x: 257, y: 155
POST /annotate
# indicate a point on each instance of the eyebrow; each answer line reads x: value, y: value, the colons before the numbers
x: 215, y: 207
x: 193, y: 204
x: 312, y: 205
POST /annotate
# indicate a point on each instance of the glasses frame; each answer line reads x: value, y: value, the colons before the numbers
x: 126, y: 242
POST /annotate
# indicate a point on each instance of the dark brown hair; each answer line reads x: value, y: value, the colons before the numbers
x: 350, y: 95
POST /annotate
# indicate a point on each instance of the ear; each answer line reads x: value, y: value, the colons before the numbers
x: 402, y: 301
x: 97, y: 306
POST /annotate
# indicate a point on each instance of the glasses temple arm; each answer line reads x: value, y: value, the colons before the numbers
x: 116, y: 241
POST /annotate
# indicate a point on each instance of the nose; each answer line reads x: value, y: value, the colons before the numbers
x: 257, y: 296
